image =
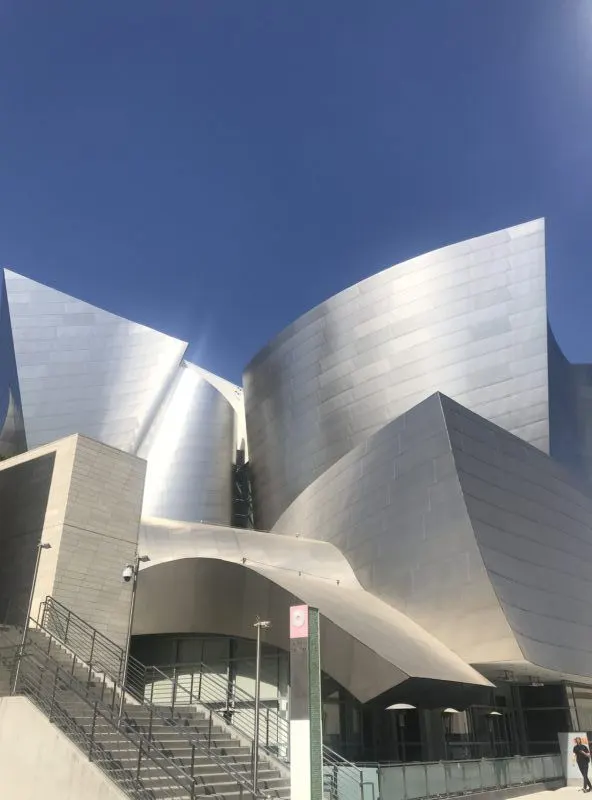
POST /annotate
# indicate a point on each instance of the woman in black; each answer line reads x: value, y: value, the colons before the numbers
x: 582, y: 755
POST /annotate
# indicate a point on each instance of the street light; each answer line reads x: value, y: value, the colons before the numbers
x: 402, y: 708
x: 130, y: 573
x: 40, y: 546
x: 259, y: 624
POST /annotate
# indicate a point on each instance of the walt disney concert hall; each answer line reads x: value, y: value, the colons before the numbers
x: 412, y: 457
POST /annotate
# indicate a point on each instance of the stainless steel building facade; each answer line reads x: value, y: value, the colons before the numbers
x: 418, y: 458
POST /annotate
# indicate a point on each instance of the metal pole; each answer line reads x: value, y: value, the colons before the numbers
x: 128, y: 641
x: 257, y: 698
x: 40, y: 546
x: 258, y: 624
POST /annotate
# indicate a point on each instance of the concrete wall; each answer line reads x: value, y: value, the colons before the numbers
x: 24, y: 492
x: 84, y: 499
x: 38, y: 760
x: 100, y: 535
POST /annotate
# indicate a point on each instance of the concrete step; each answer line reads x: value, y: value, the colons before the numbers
x: 170, y: 740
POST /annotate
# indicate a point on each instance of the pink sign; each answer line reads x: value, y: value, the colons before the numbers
x: 298, y: 622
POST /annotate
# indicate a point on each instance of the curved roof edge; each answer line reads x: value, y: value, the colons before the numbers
x: 385, y: 646
x: 530, y: 226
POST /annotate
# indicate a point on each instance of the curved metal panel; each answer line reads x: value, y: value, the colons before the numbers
x: 80, y: 369
x: 532, y: 521
x: 12, y: 428
x: 368, y: 646
x: 84, y: 370
x: 394, y: 508
x: 190, y: 448
x: 477, y: 536
x: 468, y: 320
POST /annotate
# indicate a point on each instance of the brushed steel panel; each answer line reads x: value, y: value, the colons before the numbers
x: 190, y: 449
x: 449, y: 321
x: 78, y: 369
x: 478, y: 536
x: 367, y: 645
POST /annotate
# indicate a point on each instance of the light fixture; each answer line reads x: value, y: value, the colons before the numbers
x: 450, y: 711
x: 495, y: 714
x: 400, y: 707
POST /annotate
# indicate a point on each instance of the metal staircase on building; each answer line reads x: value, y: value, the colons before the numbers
x: 151, y: 751
x: 196, y: 723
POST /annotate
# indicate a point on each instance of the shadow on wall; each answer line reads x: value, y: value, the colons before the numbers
x: 24, y: 493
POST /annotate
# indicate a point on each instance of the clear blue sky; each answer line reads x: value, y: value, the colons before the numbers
x: 214, y: 168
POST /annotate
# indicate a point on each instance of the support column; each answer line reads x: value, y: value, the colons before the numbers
x: 306, y: 737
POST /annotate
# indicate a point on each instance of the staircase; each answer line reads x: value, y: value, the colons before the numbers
x: 197, y: 722
x: 151, y: 751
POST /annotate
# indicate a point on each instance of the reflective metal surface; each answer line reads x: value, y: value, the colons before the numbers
x: 468, y: 320
x: 479, y: 537
x: 189, y: 449
x: 12, y: 429
x: 211, y: 578
x: 83, y: 370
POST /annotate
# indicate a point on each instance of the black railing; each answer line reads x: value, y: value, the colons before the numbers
x: 90, y: 723
x: 196, y: 684
x: 104, y: 661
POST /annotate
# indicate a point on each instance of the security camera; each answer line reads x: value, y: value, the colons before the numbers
x: 128, y: 573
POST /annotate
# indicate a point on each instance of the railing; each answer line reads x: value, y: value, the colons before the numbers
x: 341, y: 779
x: 195, y: 685
x: 453, y: 778
x: 105, y: 695
x: 54, y: 690
x: 91, y: 646
x: 105, y: 657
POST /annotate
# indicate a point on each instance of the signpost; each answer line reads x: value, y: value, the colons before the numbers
x: 306, y: 735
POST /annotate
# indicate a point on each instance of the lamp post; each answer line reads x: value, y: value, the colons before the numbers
x: 130, y: 573
x: 259, y: 624
x: 447, y: 715
x: 401, y: 708
x: 492, y: 719
x: 40, y: 546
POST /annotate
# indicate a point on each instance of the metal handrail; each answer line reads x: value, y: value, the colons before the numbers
x: 193, y: 738
x: 341, y: 778
x: 204, y: 688
x: 37, y: 687
x: 227, y: 701
x: 102, y: 654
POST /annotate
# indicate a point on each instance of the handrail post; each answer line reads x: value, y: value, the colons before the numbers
x: 53, y: 694
x: 92, y: 648
x: 174, y: 697
x: 210, y: 730
x: 92, y: 732
x: 139, y: 761
x: 150, y: 721
x: 67, y: 628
